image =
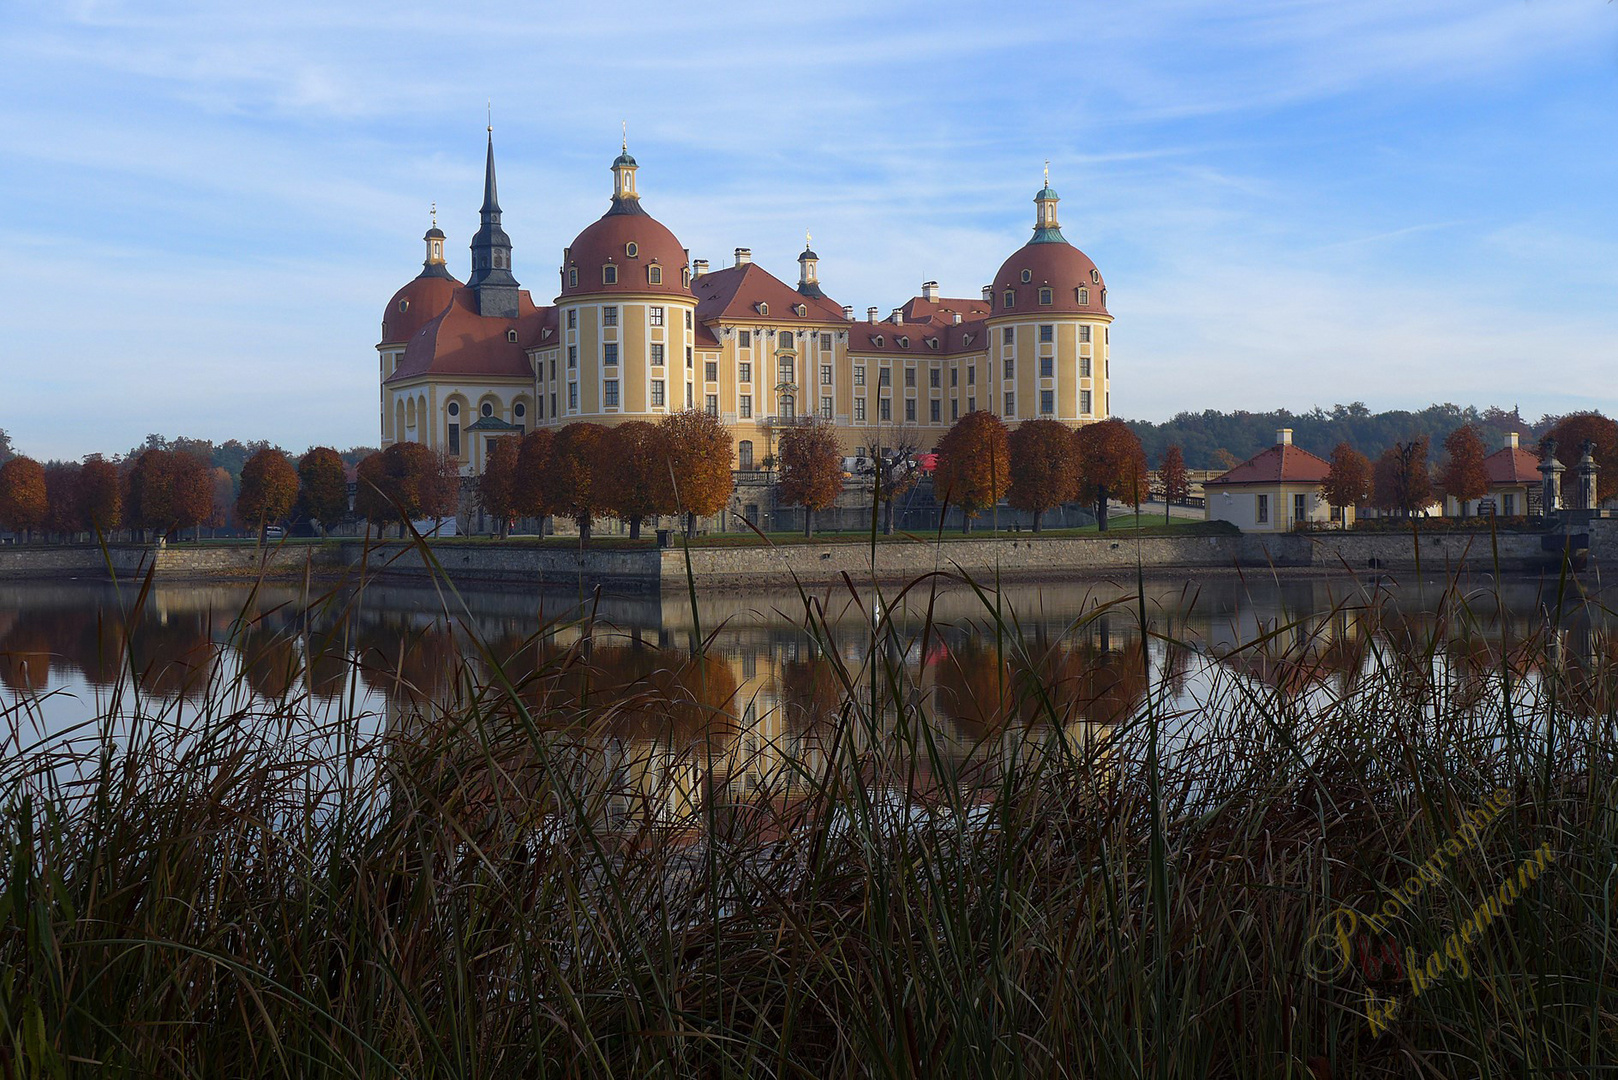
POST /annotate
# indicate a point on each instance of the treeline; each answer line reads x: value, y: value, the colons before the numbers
x: 1218, y: 440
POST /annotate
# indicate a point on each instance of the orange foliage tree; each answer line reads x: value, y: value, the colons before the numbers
x: 1348, y: 481
x: 1044, y: 467
x: 100, y: 495
x: 24, y: 504
x: 1571, y: 432
x: 533, y: 461
x: 1113, y: 466
x: 497, y: 487
x: 1463, y: 476
x: 1400, y: 482
x: 894, y: 470
x: 697, y: 453
x: 974, y: 465
x: 811, y: 469
x: 62, y: 516
x: 269, y: 489
x: 222, y: 514
x: 323, y: 486
x: 634, y: 459
x: 406, y: 481
x: 168, y: 490
x: 575, y: 482
x: 1171, y: 472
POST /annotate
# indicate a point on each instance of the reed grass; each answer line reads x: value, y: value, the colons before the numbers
x: 552, y: 866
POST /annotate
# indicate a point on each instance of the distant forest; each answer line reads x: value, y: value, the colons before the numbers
x: 1218, y: 440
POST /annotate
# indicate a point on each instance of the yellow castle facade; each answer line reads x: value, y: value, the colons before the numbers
x: 638, y: 329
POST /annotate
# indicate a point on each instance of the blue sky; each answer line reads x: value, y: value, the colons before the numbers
x: 206, y: 206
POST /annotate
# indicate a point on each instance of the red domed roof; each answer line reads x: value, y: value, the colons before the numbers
x: 607, y: 243
x: 1056, y: 265
x: 416, y: 305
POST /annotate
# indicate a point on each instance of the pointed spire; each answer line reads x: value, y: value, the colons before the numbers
x: 491, y: 250
x: 491, y: 198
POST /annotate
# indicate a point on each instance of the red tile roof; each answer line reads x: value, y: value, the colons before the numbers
x: 459, y: 341
x: 942, y: 311
x: 734, y: 293
x: 1512, y: 465
x: 1281, y: 463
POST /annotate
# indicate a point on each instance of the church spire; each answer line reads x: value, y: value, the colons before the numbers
x: 491, y: 278
x: 625, y: 199
x: 1046, y: 228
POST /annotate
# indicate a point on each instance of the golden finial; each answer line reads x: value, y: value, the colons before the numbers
x: 435, y: 213
x: 1047, y: 172
x: 626, y: 135
x: 807, y: 239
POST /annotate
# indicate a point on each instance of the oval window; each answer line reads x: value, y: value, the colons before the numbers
x: 488, y: 410
x: 520, y: 410
x: 632, y: 249
x: 404, y: 305
x: 1095, y: 275
x: 1027, y: 276
x: 455, y: 408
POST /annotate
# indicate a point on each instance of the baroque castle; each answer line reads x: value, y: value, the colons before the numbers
x: 638, y: 329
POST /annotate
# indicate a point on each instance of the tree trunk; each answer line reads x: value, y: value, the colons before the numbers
x: 1166, y: 505
x: 887, y: 518
x: 634, y: 527
x: 584, y: 530
x: 966, y: 521
x: 690, y: 524
x: 1101, y: 511
x: 808, y: 522
x: 1037, y: 515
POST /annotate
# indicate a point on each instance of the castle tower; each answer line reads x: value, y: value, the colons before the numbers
x: 433, y: 265
x: 808, y: 271
x: 1046, y: 228
x: 491, y: 279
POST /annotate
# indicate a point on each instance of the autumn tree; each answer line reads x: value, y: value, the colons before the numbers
x: 222, y: 514
x: 269, y: 489
x: 497, y: 487
x: 1571, y: 432
x: 533, y: 461
x: 811, y: 469
x: 1463, y: 476
x: 1348, y: 481
x: 634, y: 459
x: 63, y: 516
x: 100, y: 495
x: 1044, y: 467
x: 893, y: 472
x: 168, y: 490
x: 407, y: 481
x: 24, y: 504
x: 6, y: 453
x: 1112, y: 466
x: 323, y: 486
x: 574, y: 484
x: 1400, y: 482
x: 1176, y: 480
x: 974, y: 464
x: 697, y: 453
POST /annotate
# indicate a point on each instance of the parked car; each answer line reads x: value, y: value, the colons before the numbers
x: 274, y: 532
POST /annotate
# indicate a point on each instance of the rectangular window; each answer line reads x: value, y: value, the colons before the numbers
x: 553, y: 367
x: 789, y: 408
x: 954, y: 377
x: 710, y: 370
x: 609, y: 390
x: 455, y: 440
x: 609, y: 353
x: 971, y: 375
x: 825, y: 374
x: 609, y: 315
x: 1011, y: 369
x: 1084, y: 367
x: 1047, y: 332
x: 710, y: 402
x: 1337, y: 513
x: 935, y: 408
x: 744, y: 406
x: 787, y: 370
x: 656, y: 315
x: 1047, y: 402
x: 1508, y: 505
x: 688, y: 356
x: 573, y: 395
x: 609, y: 275
x: 572, y: 357
x: 971, y: 404
x: 859, y: 375
x: 688, y: 318
x: 859, y: 409
x: 1011, y: 404
x: 553, y: 405
x: 910, y: 410
x: 572, y: 318
x: 825, y: 342
x: 884, y: 409
x: 744, y: 339
x: 933, y: 378
x: 744, y: 372
x: 657, y: 393
x: 690, y: 396
x: 1046, y: 296
x: 910, y: 376
x: 825, y: 408
x: 954, y: 409
x: 1300, y: 507
x: 1084, y: 403
x: 884, y: 377
x: 1261, y: 513
x: 1084, y: 333
x: 657, y: 354
x: 1009, y: 335
x: 1047, y: 367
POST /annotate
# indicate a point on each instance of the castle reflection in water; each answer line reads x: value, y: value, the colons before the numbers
x: 755, y: 702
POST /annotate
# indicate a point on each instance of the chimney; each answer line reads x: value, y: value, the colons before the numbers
x: 1284, y: 437
x: 929, y: 291
x: 988, y: 294
x: 870, y: 314
x: 1511, y: 440
x: 898, y: 316
x: 956, y: 318
x: 848, y: 313
x: 744, y: 256
x: 699, y: 267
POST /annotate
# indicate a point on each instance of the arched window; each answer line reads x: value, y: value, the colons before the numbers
x: 1084, y: 295
x: 1103, y: 297
x: 511, y: 336
x: 744, y: 454
x: 784, y: 339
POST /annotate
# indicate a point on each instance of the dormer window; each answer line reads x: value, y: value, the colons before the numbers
x: 1095, y: 276
x: 763, y: 308
x: 511, y: 336
x: 573, y: 279
x: 1010, y: 299
x: 609, y: 275
x: 1046, y: 296
x: 632, y: 249
x: 685, y: 277
x: 1103, y: 297
x: 932, y: 343
x: 904, y: 342
x: 654, y: 275
x: 800, y: 310
x: 1084, y: 295
x: 966, y: 339
x: 877, y: 341
x: 1027, y: 276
